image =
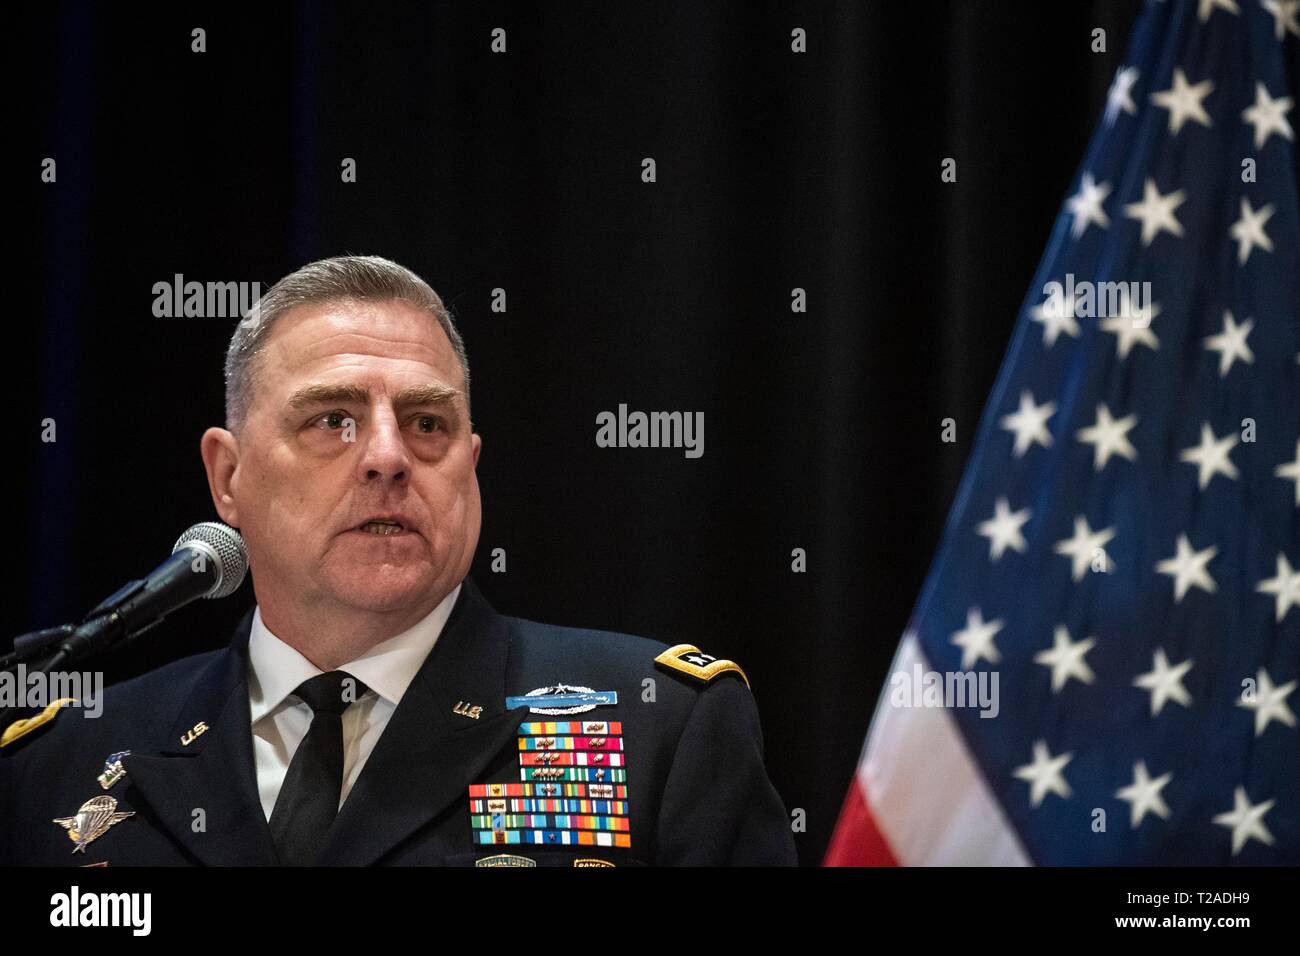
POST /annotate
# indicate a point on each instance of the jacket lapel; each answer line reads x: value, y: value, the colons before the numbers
x: 212, y: 770
x: 428, y: 755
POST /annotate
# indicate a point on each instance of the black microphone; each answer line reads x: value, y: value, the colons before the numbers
x: 208, y: 561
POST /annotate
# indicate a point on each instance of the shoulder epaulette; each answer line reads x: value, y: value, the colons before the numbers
x: 690, y: 660
x: 23, y: 727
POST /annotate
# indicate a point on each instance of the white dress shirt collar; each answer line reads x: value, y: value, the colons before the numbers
x: 276, y: 669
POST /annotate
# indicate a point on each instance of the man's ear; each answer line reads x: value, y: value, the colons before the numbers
x: 220, y: 451
x: 478, y: 444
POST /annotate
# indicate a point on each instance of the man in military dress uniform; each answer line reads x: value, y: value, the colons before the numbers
x: 373, y: 708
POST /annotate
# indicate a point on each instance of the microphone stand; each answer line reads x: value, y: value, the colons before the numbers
x: 102, y: 628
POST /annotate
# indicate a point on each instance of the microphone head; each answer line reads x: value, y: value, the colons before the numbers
x: 225, y: 547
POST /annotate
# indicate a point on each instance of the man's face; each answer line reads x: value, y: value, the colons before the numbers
x: 358, y: 421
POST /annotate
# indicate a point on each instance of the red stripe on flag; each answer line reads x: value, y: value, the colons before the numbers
x: 857, y: 841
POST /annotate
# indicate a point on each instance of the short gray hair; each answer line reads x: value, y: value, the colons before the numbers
x: 342, y: 278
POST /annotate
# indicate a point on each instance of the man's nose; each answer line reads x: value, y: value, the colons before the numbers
x: 384, y: 455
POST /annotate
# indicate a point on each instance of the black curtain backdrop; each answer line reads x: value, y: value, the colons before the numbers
x: 522, y: 171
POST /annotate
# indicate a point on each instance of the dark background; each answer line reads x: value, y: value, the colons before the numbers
x: 522, y: 171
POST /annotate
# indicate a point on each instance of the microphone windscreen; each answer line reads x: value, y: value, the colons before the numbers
x: 227, y: 547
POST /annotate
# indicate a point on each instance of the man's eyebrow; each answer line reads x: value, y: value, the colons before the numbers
x: 431, y: 394
x: 310, y: 395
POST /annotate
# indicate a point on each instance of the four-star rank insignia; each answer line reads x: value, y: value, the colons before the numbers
x: 690, y: 660
x: 92, y: 821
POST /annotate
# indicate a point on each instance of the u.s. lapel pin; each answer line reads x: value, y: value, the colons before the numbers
x: 113, y: 769
x: 92, y: 820
x: 465, y: 709
x: 194, y: 733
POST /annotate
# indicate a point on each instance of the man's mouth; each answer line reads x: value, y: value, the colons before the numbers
x: 382, y: 526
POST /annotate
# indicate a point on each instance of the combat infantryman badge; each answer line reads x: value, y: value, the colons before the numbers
x: 563, y: 699
x: 92, y: 821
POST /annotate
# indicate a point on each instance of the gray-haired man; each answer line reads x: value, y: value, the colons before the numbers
x: 372, y: 707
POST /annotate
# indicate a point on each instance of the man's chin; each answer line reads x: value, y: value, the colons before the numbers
x: 380, y: 590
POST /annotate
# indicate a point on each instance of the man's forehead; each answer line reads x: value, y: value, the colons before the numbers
x: 313, y: 339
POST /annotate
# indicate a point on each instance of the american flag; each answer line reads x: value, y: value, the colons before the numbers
x: 1124, y: 548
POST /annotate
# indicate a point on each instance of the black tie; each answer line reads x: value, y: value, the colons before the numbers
x: 309, y: 797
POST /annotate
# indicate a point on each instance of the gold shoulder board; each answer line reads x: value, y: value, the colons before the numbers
x: 691, y: 661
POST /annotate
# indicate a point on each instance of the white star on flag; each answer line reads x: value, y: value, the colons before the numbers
x: 1211, y: 456
x: 1164, y: 682
x: 1003, y: 529
x: 1132, y: 325
x: 976, y: 639
x: 1108, y: 437
x: 1044, y: 774
x: 1066, y: 659
x: 1086, y: 206
x: 1268, y: 116
x: 1057, y: 316
x: 1143, y: 795
x: 1284, y: 16
x: 1029, y: 423
x: 1249, y: 232
x: 1285, y: 587
x: 1291, y: 472
x: 1084, y: 546
x: 1183, y: 100
x: 1156, y: 211
x: 1208, y: 6
x: 1120, y: 96
x: 1187, y: 568
x: 1231, y: 343
x: 1246, y: 820
x: 1269, y: 702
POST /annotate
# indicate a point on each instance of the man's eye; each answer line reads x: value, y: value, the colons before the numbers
x: 428, y: 423
x: 333, y: 420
